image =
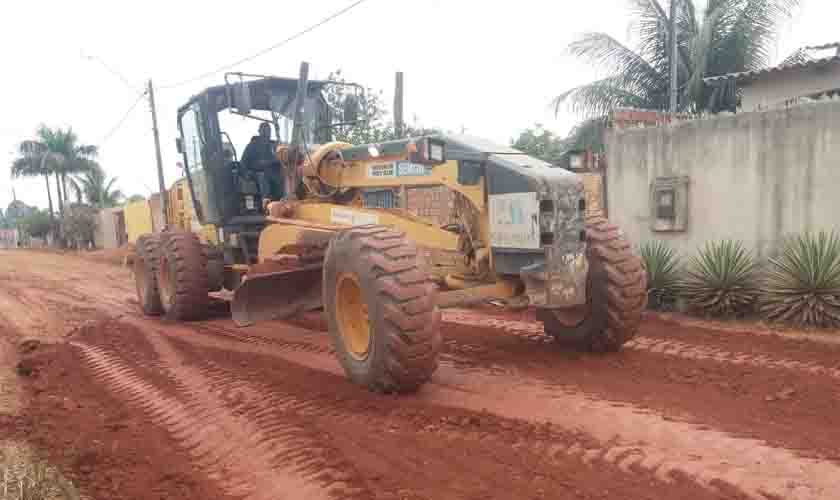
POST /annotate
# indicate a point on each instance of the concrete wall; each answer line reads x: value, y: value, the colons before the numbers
x: 774, y: 89
x: 752, y: 176
x: 107, y: 230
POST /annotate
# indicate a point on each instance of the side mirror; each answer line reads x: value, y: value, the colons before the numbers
x: 242, y: 98
x: 350, y: 113
x: 179, y: 145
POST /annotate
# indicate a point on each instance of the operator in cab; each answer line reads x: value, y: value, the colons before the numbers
x: 260, y: 157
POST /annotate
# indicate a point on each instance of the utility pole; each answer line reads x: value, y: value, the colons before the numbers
x: 674, y: 53
x: 398, y: 105
x: 164, y: 201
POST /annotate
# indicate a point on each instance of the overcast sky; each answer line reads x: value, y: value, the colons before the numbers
x: 490, y: 67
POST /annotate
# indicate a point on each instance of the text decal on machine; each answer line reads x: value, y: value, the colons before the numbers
x: 381, y: 170
x: 409, y: 169
x: 350, y: 218
x: 514, y: 220
x: 399, y: 169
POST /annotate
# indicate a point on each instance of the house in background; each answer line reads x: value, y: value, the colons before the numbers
x: 814, y: 74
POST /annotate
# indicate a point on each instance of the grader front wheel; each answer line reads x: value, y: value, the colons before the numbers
x: 381, y: 309
x: 182, y: 277
x: 616, y: 294
x: 145, y: 269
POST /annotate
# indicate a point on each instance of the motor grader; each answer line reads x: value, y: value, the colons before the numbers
x: 338, y: 235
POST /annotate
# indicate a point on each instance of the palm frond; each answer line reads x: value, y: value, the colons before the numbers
x: 588, y: 134
x: 799, y: 56
x: 599, y: 98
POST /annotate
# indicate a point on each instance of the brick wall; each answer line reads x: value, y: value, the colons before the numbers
x: 433, y: 203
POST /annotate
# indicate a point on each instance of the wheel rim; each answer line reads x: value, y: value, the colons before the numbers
x: 352, y: 315
x: 572, y: 317
x: 165, y: 281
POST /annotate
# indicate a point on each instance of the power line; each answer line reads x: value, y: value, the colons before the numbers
x: 111, y: 70
x: 266, y: 50
x: 124, y: 118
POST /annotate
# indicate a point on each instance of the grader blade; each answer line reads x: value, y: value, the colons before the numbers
x: 277, y: 295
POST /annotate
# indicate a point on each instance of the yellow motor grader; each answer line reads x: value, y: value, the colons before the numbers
x: 325, y: 224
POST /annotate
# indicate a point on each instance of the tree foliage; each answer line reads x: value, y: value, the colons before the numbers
x: 95, y: 188
x: 727, y: 36
x: 56, y: 152
x: 79, y: 225
x: 373, y: 125
x: 540, y: 143
x: 38, y: 224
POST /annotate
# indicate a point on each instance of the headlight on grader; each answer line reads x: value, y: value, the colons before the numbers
x: 427, y: 151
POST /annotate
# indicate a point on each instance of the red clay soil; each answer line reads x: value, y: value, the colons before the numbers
x: 376, y: 446
x: 105, y: 448
x: 773, y: 405
x: 208, y: 410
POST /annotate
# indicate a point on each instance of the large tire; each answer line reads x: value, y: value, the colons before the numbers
x: 381, y: 309
x: 215, y: 269
x: 182, y: 277
x: 145, y: 274
x: 616, y: 293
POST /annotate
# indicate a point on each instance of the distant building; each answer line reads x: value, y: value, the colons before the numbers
x: 816, y: 73
x: 9, y: 238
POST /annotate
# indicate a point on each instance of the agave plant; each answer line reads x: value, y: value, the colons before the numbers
x: 803, y: 283
x: 661, y: 264
x: 720, y: 279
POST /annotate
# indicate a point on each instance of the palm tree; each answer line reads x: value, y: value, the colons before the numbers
x: 73, y: 158
x: 53, y: 152
x: 32, y: 161
x: 95, y: 188
x: 728, y: 36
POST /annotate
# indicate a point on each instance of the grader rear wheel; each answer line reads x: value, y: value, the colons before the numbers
x: 182, y: 277
x: 145, y: 274
x: 616, y: 294
x: 381, y: 309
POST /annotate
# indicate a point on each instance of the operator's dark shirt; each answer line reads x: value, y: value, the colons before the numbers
x: 259, y: 157
x: 259, y: 154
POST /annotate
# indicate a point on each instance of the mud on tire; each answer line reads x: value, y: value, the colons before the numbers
x: 616, y: 292
x: 404, y: 340
x: 145, y: 274
x: 182, y: 277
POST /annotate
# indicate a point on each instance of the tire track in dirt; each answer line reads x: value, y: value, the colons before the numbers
x: 644, y: 440
x: 534, y: 331
x: 250, y: 458
x: 423, y: 455
x: 632, y: 437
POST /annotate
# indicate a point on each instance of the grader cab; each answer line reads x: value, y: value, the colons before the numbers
x: 324, y: 224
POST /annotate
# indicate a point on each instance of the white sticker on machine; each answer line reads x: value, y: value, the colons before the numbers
x: 381, y: 170
x: 350, y: 218
x: 514, y: 220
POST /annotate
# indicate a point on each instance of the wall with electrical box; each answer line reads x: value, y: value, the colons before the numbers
x: 757, y: 177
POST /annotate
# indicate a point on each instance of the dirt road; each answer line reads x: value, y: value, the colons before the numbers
x: 138, y: 408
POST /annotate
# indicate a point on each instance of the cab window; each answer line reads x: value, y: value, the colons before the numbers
x: 192, y: 131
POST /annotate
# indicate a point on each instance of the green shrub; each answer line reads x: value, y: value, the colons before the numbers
x: 803, y: 284
x: 720, y: 279
x: 661, y: 265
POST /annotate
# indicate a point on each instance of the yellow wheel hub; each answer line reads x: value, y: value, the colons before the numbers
x: 352, y: 315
